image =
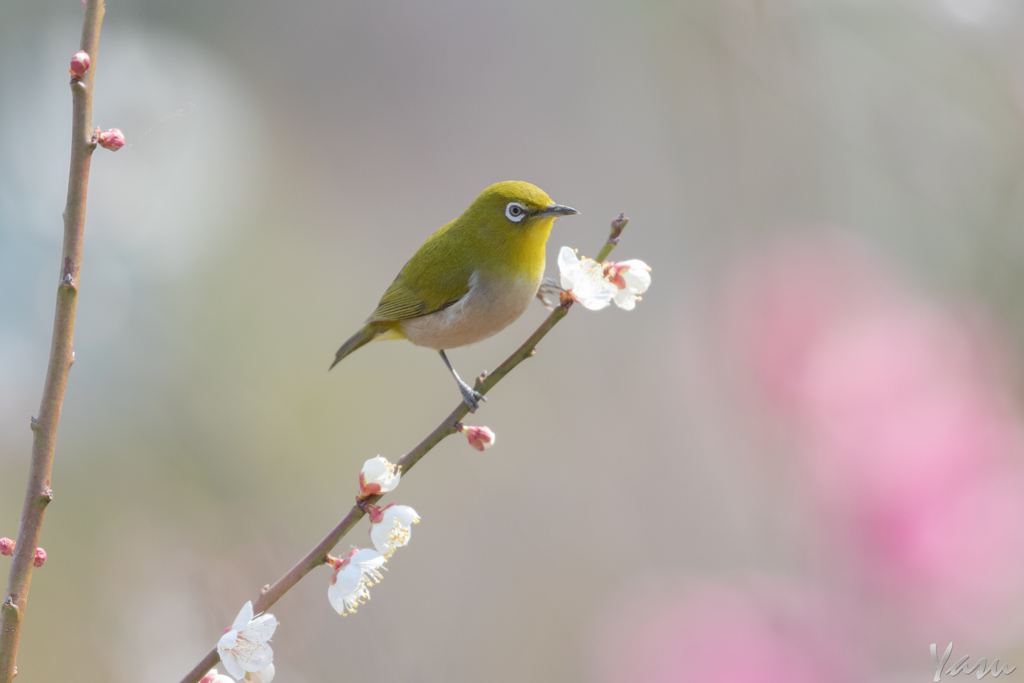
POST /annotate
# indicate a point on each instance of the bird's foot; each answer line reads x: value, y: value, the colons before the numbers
x: 471, y: 396
x: 549, y: 293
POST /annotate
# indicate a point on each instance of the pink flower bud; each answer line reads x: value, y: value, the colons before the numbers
x: 479, y: 437
x: 112, y: 139
x: 40, y: 557
x: 6, y: 546
x: 79, y: 64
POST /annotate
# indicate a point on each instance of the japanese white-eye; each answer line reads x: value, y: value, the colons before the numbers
x: 471, y: 279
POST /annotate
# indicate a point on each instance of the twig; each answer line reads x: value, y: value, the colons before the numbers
x: 618, y: 225
x: 44, y: 428
x: 484, y: 383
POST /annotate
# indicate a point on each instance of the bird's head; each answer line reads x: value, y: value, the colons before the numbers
x: 515, y: 213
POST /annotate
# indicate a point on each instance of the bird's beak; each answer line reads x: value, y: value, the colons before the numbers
x: 557, y: 210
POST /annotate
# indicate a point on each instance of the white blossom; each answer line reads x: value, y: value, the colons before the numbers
x: 632, y: 278
x: 262, y: 676
x: 584, y: 280
x: 353, y: 576
x: 378, y: 476
x: 391, y: 528
x: 243, y: 648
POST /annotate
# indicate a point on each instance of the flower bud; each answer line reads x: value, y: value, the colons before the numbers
x: 480, y: 438
x: 378, y: 476
x: 6, y: 546
x: 40, y: 557
x: 79, y: 64
x: 112, y: 139
x: 215, y: 677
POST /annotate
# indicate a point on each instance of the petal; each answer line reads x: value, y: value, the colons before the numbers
x: 375, y: 468
x: 336, y: 598
x: 228, y: 640
x: 231, y: 663
x: 626, y: 299
x: 265, y: 675
x: 638, y: 277
x: 379, y: 537
x: 368, y: 558
x: 596, y: 295
x: 344, y: 592
x: 390, y: 483
x: 405, y: 514
x: 260, y: 658
x: 262, y: 627
x: 243, y: 618
x: 349, y: 579
x: 568, y: 267
x: 567, y: 259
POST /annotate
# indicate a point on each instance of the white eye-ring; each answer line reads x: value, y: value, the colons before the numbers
x: 515, y: 212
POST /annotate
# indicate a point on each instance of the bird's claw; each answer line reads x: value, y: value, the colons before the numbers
x: 471, y: 397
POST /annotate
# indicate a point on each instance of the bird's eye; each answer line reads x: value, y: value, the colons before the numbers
x: 515, y: 212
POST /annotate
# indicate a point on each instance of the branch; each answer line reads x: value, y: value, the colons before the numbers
x: 618, y: 225
x: 484, y: 383
x: 44, y: 428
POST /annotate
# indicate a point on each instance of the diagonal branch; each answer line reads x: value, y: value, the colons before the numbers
x: 484, y: 383
x: 44, y: 428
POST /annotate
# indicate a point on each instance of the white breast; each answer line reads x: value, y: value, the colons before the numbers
x: 487, y: 308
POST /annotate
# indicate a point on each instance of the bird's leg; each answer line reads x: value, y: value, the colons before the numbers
x: 469, y: 395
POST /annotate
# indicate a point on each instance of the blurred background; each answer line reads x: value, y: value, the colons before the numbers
x: 799, y: 459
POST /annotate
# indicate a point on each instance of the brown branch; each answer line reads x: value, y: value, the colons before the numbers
x: 318, y: 555
x: 44, y: 428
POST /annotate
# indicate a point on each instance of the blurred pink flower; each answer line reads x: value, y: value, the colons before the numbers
x: 723, y: 634
x: 781, y: 302
x: 914, y: 452
x: 899, y: 400
x: 911, y: 445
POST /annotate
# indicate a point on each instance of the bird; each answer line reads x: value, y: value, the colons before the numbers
x: 471, y: 279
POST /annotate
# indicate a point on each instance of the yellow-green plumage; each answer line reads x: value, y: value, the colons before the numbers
x: 471, y: 278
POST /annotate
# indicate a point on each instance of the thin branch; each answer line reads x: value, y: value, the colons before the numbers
x: 44, y: 427
x: 618, y: 225
x: 484, y: 383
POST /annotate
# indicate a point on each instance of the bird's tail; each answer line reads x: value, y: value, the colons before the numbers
x: 367, y: 334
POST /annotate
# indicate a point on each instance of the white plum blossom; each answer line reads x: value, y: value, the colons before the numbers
x: 353, y: 576
x: 378, y: 476
x: 262, y: 676
x: 632, y: 278
x: 584, y: 280
x: 243, y: 647
x: 214, y: 677
x: 391, y: 527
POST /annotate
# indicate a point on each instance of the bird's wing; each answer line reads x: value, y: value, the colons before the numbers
x: 435, y: 277
x: 404, y: 299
